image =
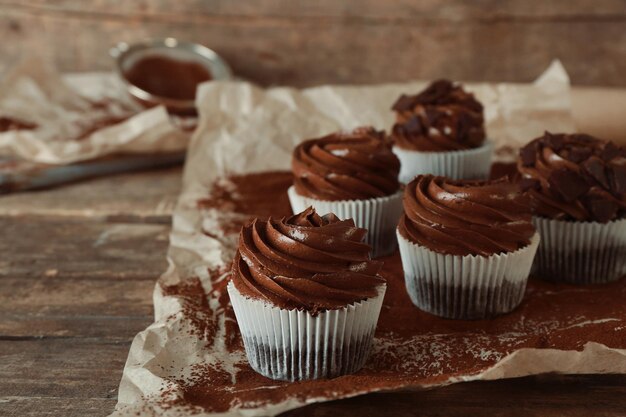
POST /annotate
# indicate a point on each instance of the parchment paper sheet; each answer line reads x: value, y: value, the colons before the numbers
x: 66, y: 108
x: 244, y: 129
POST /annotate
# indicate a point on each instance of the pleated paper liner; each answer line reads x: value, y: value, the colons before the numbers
x: 466, y: 287
x: 378, y: 215
x: 464, y: 164
x: 294, y: 345
x: 580, y: 252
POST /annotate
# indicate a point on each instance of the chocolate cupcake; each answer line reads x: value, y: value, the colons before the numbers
x: 577, y: 188
x: 441, y: 131
x: 306, y: 296
x: 355, y: 176
x: 466, y: 246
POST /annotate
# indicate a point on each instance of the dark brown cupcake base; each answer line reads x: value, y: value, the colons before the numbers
x: 468, y: 303
x: 580, y: 252
x: 299, y: 365
x: 597, y: 266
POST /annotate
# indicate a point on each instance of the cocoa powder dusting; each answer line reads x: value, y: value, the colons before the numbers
x: 261, y: 195
x: 8, y: 124
x: 411, y: 347
x: 195, y: 307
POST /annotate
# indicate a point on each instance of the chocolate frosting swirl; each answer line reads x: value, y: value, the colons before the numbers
x: 346, y: 166
x: 466, y: 217
x: 305, y: 262
x: 574, y: 177
x: 444, y: 117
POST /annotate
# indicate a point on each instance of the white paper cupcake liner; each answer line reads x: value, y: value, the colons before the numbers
x: 581, y: 252
x: 466, y: 287
x: 465, y: 164
x: 293, y: 345
x: 378, y: 215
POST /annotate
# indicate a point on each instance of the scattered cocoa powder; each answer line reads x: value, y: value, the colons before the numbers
x: 412, y: 348
x: 195, y: 307
x: 86, y: 128
x: 9, y: 123
x: 261, y: 195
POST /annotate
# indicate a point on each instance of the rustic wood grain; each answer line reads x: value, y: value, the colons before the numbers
x: 74, y: 295
x: 350, y: 9
x: 546, y: 396
x: 149, y: 197
x: 44, y: 326
x: 63, y: 278
x: 450, y: 9
x: 65, y: 307
x: 296, y: 43
x: 29, y: 406
x: 61, y: 368
x: 33, y: 247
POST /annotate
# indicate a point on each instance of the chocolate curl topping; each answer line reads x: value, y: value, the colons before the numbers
x: 440, y: 92
x: 444, y: 117
x: 574, y: 177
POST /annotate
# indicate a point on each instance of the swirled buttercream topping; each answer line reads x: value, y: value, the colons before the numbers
x: 346, y: 166
x: 306, y: 262
x: 574, y: 177
x: 444, y: 117
x: 466, y: 217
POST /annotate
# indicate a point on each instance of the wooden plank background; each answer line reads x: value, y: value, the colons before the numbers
x: 312, y: 42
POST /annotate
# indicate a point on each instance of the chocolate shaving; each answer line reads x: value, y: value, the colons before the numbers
x: 528, y: 155
x: 464, y: 126
x: 440, y: 92
x: 602, y: 210
x: 453, y: 115
x: 609, y: 152
x: 403, y: 103
x: 569, y: 188
x: 437, y: 93
x: 618, y: 183
x: 553, y: 141
x: 567, y: 184
x: 595, y: 168
x: 413, y: 126
x: 577, y: 155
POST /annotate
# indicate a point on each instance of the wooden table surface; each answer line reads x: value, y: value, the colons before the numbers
x: 78, y: 268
